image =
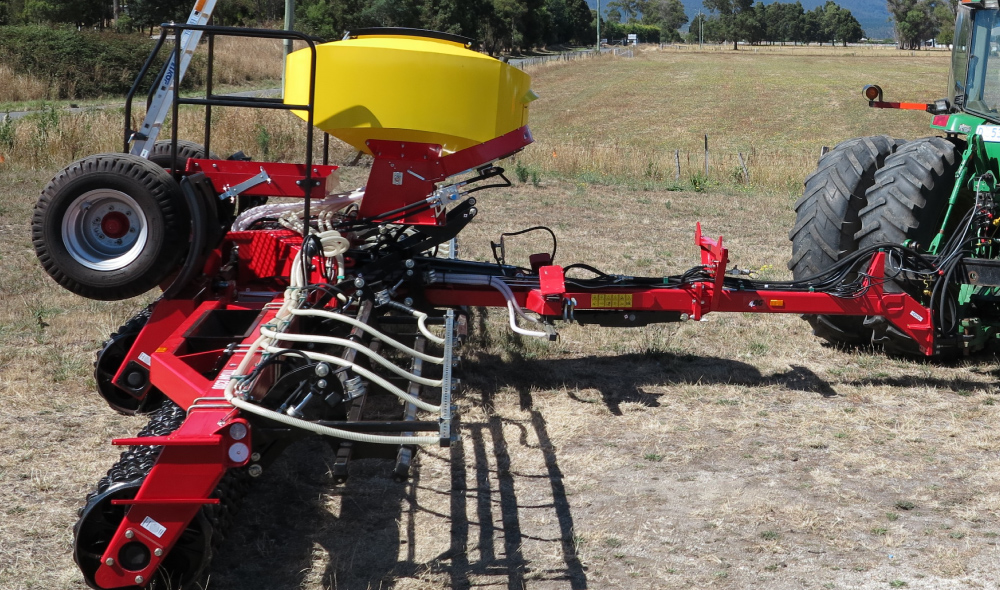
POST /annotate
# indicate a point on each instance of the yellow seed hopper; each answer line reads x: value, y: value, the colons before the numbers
x: 406, y: 85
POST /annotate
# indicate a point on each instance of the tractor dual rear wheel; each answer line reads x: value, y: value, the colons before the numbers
x: 110, y: 226
x: 906, y: 205
x: 827, y: 219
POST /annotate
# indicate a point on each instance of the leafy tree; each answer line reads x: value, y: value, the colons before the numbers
x: 669, y: 15
x: 735, y: 17
x: 915, y: 21
x: 629, y: 9
x: 945, y: 13
x: 841, y: 25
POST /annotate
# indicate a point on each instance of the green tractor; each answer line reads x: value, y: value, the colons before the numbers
x: 939, y: 196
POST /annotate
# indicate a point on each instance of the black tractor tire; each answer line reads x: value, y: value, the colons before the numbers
x: 160, y: 154
x: 110, y: 226
x: 907, y: 204
x: 827, y: 219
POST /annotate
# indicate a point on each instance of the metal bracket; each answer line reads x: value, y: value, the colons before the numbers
x: 446, y: 379
x: 354, y: 388
x: 229, y: 192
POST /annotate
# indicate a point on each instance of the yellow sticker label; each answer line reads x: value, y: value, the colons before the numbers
x: 611, y: 300
x: 161, y: 349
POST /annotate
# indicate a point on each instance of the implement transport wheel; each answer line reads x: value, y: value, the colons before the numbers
x: 907, y: 205
x: 160, y: 154
x: 110, y: 226
x: 827, y: 219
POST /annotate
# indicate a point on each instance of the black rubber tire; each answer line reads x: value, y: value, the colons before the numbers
x: 827, y: 219
x: 120, y: 179
x: 907, y: 204
x: 109, y: 360
x: 160, y: 154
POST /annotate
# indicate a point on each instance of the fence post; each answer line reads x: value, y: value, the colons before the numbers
x: 706, y: 155
x: 677, y: 160
x: 746, y: 173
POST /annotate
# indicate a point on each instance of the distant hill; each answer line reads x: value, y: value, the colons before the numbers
x: 872, y: 14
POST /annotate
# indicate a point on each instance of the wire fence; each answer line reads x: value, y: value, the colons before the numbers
x: 524, y: 62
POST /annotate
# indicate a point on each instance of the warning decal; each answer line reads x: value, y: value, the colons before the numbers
x: 611, y: 300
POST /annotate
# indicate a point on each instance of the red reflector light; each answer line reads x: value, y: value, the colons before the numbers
x: 940, y: 121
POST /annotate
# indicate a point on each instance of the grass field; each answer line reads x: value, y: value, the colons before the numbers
x: 738, y: 452
x: 777, y: 105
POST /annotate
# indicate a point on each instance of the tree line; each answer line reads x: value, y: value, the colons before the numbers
x: 500, y: 25
x: 516, y: 25
x: 918, y: 21
x: 779, y: 22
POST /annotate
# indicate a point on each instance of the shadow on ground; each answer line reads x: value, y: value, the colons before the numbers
x: 287, y: 529
x: 287, y: 534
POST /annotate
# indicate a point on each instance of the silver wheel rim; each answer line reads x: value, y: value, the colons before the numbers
x: 104, y: 230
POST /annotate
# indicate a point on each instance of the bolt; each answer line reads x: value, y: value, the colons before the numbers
x: 255, y: 470
x: 409, y: 273
x: 409, y: 264
x: 139, y: 579
x: 408, y: 301
x: 359, y: 282
x: 255, y: 457
x: 321, y: 384
x: 158, y: 552
x: 322, y: 370
x: 129, y: 534
x: 109, y: 562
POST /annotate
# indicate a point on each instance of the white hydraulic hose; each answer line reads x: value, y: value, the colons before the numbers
x: 247, y: 406
x: 336, y: 360
x: 293, y: 293
x: 421, y: 318
x: 326, y: 430
x: 363, y: 326
x: 286, y: 337
x: 421, y: 321
x: 522, y: 331
x: 512, y: 306
x: 333, y: 203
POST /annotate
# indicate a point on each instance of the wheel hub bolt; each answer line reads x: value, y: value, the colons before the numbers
x: 129, y: 534
x: 139, y: 580
x: 109, y: 561
x: 158, y: 552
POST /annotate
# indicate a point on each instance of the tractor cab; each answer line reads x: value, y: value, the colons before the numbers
x: 974, y: 85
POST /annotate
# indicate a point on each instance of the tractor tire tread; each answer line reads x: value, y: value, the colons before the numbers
x: 827, y: 218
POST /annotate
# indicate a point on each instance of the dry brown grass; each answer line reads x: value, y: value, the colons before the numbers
x: 621, y: 119
x: 53, y: 138
x: 737, y: 452
x: 240, y: 60
x: 20, y: 87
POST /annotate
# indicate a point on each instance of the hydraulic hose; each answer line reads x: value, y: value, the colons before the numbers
x: 365, y: 327
x: 498, y: 284
x: 286, y: 337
